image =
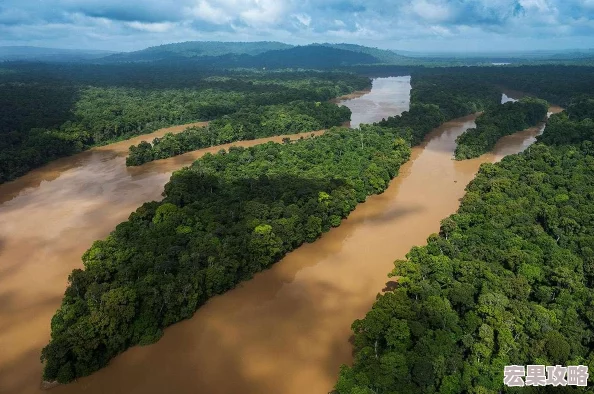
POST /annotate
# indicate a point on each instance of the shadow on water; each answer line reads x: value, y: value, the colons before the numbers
x: 287, y: 325
x: 220, y: 358
x: 242, y: 338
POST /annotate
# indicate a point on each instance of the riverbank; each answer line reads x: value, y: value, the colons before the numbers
x: 287, y: 330
x: 284, y: 331
x: 50, y: 218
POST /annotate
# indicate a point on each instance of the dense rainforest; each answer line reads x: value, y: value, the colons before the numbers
x: 433, y: 101
x: 437, y: 100
x: 46, y: 113
x: 53, y: 110
x: 248, y: 123
x: 222, y: 219
x: 572, y: 126
x: 557, y: 84
x: 499, y: 121
x: 508, y: 280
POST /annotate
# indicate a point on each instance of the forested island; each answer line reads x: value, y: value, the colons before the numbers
x: 508, y: 280
x: 223, y: 219
x: 437, y: 99
x: 497, y: 122
x: 248, y: 123
x: 49, y: 111
x: 47, y: 114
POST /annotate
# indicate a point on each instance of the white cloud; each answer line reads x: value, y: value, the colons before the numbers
x: 431, y: 11
x: 536, y: 5
x: 209, y: 13
x: 304, y: 19
x: 158, y: 27
x: 263, y: 12
x: 386, y: 23
x: 250, y: 12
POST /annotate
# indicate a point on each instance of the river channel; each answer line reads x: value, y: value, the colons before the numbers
x: 285, y: 331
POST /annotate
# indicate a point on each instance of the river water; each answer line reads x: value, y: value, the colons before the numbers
x: 285, y: 331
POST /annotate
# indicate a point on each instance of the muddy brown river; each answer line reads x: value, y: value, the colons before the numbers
x: 285, y: 331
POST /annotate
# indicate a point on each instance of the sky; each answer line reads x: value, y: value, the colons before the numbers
x: 413, y: 25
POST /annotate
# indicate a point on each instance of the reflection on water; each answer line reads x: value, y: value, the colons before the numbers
x: 388, y: 97
x: 506, y: 99
x: 286, y: 331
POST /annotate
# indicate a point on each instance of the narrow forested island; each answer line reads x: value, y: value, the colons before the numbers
x: 508, y: 280
x: 223, y: 219
x: 246, y: 124
x: 497, y: 122
x: 47, y: 112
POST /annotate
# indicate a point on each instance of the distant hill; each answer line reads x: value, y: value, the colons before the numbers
x: 30, y: 53
x: 275, y: 55
x: 383, y: 55
x: 251, y: 55
x: 311, y: 56
x: 191, y: 49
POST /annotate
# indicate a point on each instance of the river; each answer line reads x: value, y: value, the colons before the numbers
x: 285, y: 331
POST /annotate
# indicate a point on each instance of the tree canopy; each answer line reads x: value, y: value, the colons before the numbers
x: 508, y: 280
x: 47, y: 113
x: 499, y: 121
x: 248, y: 123
x: 223, y: 219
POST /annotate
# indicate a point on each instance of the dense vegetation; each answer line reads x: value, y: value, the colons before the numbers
x: 419, y: 120
x: 46, y: 113
x: 455, y: 95
x: 572, y: 126
x: 435, y: 100
x: 223, y: 219
x: 555, y: 83
x: 246, y: 124
x: 50, y: 111
x: 497, y: 122
x: 508, y: 280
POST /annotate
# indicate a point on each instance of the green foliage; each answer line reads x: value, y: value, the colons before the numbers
x: 572, y: 126
x: 456, y: 94
x: 509, y: 280
x: 415, y: 123
x: 223, y: 219
x: 248, y: 123
x: 497, y: 122
x: 47, y: 113
x: 555, y: 83
x: 439, y: 98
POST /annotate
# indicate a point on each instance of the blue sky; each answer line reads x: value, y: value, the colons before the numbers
x: 423, y: 25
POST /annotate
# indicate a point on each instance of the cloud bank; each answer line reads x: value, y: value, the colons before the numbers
x: 477, y: 25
